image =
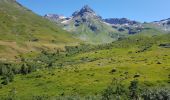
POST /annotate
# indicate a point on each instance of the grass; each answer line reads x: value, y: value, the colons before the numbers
x: 21, y: 27
x: 89, y: 73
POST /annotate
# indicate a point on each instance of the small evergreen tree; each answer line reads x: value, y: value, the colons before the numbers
x: 8, y: 77
x: 133, y: 88
x: 107, y: 94
x: 5, y: 80
x: 3, y: 69
x: 24, y: 69
x: 119, y: 91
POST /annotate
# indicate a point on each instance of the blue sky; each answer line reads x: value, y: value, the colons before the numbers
x: 141, y: 10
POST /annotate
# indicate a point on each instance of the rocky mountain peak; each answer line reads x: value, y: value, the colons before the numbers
x: 86, y: 10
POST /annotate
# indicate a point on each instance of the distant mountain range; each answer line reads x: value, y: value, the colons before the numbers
x: 124, y: 24
x: 89, y: 26
x: 120, y: 21
x: 85, y: 24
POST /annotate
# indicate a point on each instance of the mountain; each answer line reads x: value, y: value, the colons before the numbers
x: 162, y: 24
x: 90, y: 27
x: 124, y: 24
x: 56, y: 18
x: 120, y: 21
x: 87, y: 25
x: 21, y: 30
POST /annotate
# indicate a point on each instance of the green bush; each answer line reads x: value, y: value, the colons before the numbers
x: 24, y: 69
x: 6, y: 72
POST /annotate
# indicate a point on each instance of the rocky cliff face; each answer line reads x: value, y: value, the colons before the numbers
x: 85, y: 11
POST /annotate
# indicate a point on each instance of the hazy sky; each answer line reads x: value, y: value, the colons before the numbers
x: 141, y: 10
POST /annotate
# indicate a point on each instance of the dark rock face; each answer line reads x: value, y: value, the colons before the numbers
x: 120, y: 21
x: 121, y: 29
x: 75, y: 13
x: 135, y: 30
x: 168, y: 23
x: 86, y: 8
x: 84, y: 11
x: 93, y: 28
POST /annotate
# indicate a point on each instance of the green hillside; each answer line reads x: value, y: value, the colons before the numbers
x: 93, y: 30
x: 102, y: 34
x: 21, y: 30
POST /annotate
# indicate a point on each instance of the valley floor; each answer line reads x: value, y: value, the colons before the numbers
x: 90, y: 73
x: 89, y: 70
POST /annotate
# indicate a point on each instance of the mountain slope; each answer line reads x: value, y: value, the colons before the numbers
x: 120, y: 21
x: 88, y: 26
x: 162, y: 24
x: 21, y: 30
x: 125, y: 25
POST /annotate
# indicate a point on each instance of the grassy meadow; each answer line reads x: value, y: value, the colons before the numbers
x: 88, y: 70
